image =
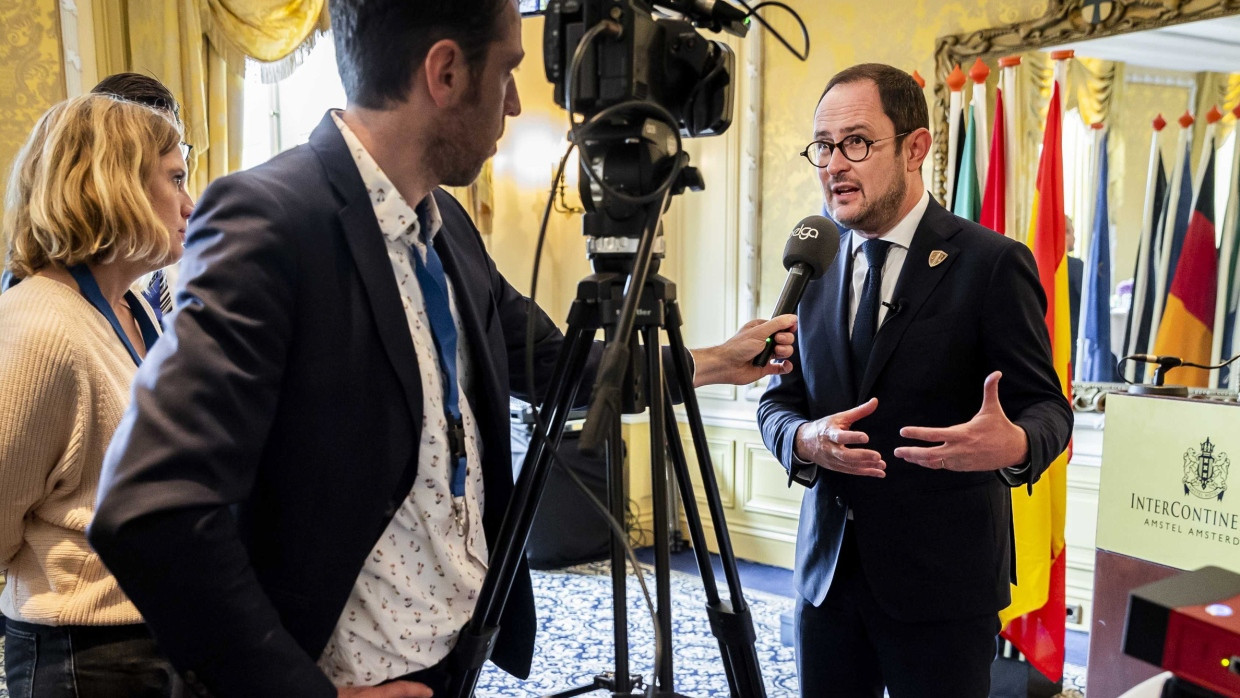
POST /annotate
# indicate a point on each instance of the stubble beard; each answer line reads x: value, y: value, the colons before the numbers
x: 880, y: 213
x: 456, y: 157
x: 458, y: 149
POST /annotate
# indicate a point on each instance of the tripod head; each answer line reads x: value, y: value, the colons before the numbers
x: 634, y: 158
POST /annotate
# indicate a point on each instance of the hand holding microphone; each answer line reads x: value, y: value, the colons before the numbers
x: 811, y: 248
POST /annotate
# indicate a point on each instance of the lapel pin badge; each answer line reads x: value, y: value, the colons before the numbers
x: 937, y: 257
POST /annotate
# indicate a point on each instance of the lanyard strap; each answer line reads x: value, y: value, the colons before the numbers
x: 90, y: 290
x: 434, y: 284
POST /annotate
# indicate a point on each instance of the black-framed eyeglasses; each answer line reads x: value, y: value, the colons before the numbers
x: 186, y: 149
x: 854, y: 149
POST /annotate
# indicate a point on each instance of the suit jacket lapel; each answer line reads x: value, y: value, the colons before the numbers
x: 838, y: 277
x: 365, y: 242
x: 917, y: 281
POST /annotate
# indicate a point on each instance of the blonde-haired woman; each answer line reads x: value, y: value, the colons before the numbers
x: 96, y: 199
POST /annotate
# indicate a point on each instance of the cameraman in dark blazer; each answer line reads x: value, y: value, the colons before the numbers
x: 303, y: 496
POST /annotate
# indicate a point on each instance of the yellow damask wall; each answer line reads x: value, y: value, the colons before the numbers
x: 31, y: 71
x: 898, y: 32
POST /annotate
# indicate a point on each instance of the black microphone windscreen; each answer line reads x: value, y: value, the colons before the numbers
x: 814, y: 242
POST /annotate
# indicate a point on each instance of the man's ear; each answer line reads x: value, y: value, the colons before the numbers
x: 446, y: 72
x: 917, y: 146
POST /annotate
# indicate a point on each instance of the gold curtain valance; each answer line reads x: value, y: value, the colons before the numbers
x: 1091, y: 88
x: 276, y: 33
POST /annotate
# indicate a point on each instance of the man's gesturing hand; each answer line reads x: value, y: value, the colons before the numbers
x: 989, y: 441
x: 824, y: 442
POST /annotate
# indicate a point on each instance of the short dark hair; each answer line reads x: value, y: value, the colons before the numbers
x: 903, y: 101
x: 380, y: 43
x: 143, y: 89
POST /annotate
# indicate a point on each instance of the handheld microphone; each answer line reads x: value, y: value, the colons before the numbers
x: 811, y: 248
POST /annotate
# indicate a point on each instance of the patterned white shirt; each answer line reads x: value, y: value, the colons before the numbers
x: 418, y: 586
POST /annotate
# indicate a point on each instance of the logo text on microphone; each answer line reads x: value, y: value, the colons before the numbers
x: 804, y: 232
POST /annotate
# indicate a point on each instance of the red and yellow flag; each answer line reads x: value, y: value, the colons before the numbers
x: 1187, y: 327
x: 1036, y: 619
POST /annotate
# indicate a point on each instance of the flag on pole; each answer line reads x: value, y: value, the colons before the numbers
x: 981, y: 142
x: 1013, y: 151
x: 1144, y: 275
x: 955, y: 131
x: 1229, y: 256
x: 1187, y: 326
x: 1175, y: 223
x: 1097, y: 361
x: 1085, y: 229
x: 967, y: 203
x: 1183, y: 211
x: 1035, y: 620
x: 994, y: 201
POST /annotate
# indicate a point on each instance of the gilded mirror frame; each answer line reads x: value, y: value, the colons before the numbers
x: 1064, y: 22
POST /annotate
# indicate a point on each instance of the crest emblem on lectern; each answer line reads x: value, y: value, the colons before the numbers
x: 1205, y: 471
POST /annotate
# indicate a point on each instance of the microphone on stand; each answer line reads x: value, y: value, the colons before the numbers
x: 811, y: 248
x: 1168, y: 361
x: 1164, y: 364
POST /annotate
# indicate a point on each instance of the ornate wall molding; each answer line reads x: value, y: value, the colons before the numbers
x: 1065, y: 21
x: 751, y: 178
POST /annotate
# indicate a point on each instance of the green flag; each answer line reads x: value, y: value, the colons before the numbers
x: 967, y: 203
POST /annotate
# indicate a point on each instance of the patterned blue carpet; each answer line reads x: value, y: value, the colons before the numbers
x: 575, y: 639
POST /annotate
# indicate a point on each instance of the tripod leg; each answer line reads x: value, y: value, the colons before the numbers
x: 729, y: 627
x: 731, y: 623
x: 664, y: 675
x: 617, y: 499
x: 477, y: 639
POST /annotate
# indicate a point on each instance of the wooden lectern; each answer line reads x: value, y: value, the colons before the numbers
x: 1163, y: 507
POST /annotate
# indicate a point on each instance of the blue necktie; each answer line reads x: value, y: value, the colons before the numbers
x: 439, y: 312
x: 866, y: 322
x: 158, y: 295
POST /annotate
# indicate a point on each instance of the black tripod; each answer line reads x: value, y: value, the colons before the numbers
x: 730, y: 620
x: 601, y: 303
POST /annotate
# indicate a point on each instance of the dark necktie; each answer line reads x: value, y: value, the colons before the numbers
x: 439, y: 313
x: 158, y: 295
x: 866, y: 322
x: 165, y: 294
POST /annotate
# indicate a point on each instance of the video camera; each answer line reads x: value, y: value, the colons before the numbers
x: 640, y: 76
x: 660, y: 59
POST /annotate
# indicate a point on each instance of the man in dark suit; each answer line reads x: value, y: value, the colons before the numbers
x: 1076, y: 272
x: 922, y: 390
x: 303, y: 496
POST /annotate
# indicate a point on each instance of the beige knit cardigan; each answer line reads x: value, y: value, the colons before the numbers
x: 64, y: 382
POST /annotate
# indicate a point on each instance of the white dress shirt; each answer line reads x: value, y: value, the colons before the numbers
x: 418, y: 586
x: 900, y: 237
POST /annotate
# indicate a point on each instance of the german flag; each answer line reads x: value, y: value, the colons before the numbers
x: 1187, y: 327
